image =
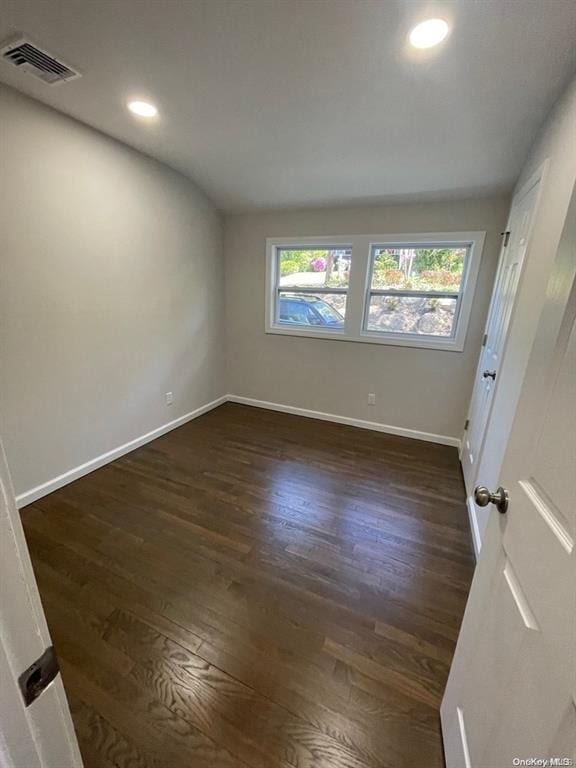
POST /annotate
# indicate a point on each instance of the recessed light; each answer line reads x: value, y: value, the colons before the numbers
x: 429, y: 33
x: 143, y: 108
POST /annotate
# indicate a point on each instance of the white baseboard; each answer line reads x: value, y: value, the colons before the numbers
x: 374, y: 425
x: 73, y: 474
x: 99, y: 461
x: 472, y: 514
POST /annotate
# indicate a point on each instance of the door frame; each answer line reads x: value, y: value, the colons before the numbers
x: 42, y: 734
x: 538, y: 177
x: 555, y: 322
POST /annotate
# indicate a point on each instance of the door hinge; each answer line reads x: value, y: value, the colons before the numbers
x: 466, y: 425
x: 34, y: 680
x: 485, y: 339
x: 506, y: 236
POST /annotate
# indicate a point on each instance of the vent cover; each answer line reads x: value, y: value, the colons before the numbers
x: 25, y: 55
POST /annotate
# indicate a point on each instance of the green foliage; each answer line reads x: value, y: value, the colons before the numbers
x: 389, y: 278
x: 419, y: 269
x: 431, y: 269
x: 385, y: 261
x: 288, y: 267
x: 439, y: 259
x: 301, y: 259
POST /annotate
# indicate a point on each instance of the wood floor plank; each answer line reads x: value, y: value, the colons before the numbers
x: 257, y: 590
x: 143, y: 721
x: 226, y: 704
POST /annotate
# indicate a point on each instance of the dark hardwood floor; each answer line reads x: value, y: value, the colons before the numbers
x: 257, y: 589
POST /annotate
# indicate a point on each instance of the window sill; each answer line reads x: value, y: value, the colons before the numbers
x: 446, y: 345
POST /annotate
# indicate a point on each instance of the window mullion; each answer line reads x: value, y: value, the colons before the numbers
x: 357, y: 286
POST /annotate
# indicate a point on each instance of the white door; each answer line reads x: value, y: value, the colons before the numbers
x: 40, y: 735
x: 509, y: 271
x: 511, y: 693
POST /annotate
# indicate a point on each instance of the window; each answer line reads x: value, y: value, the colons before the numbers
x: 415, y: 290
x: 408, y: 290
x: 312, y: 287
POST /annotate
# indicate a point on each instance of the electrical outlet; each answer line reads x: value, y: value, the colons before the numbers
x: 371, y: 398
x: 169, y: 398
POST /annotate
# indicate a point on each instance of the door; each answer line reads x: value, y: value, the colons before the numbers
x: 514, y: 247
x: 511, y: 693
x: 40, y: 735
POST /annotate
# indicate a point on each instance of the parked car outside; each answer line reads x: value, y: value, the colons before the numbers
x: 308, y: 310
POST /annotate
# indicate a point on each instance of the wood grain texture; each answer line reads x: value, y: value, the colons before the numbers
x: 257, y: 589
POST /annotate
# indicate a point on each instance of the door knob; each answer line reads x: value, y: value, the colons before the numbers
x: 483, y: 497
x: 489, y: 375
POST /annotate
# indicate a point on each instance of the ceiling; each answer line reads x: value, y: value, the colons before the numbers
x: 270, y: 103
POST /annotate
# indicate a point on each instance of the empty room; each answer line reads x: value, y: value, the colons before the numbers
x: 287, y: 383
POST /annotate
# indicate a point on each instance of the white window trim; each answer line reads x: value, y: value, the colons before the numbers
x: 359, y: 287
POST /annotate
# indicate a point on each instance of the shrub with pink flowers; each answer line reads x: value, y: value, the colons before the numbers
x: 318, y: 264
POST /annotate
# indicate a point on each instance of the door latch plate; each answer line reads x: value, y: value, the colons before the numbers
x: 38, y: 676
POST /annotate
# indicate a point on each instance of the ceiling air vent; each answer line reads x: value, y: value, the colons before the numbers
x: 22, y: 53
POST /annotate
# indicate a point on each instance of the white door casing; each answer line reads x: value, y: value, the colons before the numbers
x: 511, y: 693
x: 41, y: 735
x: 512, y: 257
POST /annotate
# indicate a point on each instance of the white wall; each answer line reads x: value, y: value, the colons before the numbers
x: 556, y: 145
x: 419, y: 389
x: 110, y: 293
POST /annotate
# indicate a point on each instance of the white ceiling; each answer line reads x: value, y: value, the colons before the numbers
x: 293, y: 102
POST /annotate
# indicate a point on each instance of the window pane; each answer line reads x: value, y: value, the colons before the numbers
x: 302, y: 268
x: 418, y: 269
x: 424, y: 316
x: 321, y: 311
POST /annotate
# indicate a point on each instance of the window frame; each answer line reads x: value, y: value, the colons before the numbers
x: 359, y: 288
x: 273, y: 248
